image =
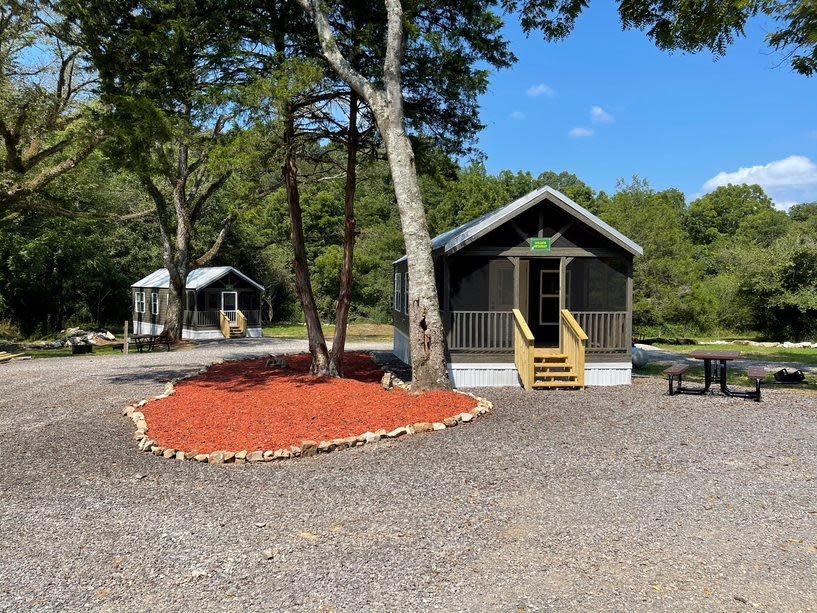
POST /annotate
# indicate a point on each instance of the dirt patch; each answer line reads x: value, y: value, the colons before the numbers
x: 248, y: 405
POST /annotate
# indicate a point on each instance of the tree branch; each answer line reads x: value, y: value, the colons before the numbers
x: 332, y: 53
x: 208, y: 256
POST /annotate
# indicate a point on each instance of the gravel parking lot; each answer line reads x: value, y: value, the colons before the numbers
x: 607, y: 498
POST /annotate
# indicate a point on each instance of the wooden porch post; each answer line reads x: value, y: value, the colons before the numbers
x: 629, y: 320
x: 515, y: 262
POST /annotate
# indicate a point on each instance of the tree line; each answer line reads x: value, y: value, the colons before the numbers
x: 193, y: 131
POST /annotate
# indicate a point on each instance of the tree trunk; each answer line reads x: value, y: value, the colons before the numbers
x: 174, y: 315
x: 349, y: 236
x: 321, y: 364
x: 429, y: 368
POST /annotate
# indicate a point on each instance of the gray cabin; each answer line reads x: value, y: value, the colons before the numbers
x: 537, y: 293
x: 220, y: 302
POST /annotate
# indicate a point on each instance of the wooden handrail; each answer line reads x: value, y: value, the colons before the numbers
x: 574, y: 325
x: 224, y: 324
x: 523, y: 350
x: 520, y: 320
x: 241, y: 321
x: 573, y: 341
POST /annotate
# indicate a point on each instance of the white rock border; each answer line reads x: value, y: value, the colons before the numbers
x: 307, y: 448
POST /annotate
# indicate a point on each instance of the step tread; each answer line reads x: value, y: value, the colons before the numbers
x: 547, y: 384
x: 553, y: 375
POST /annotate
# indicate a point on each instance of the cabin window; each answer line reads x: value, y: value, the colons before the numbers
x: 398, y: 291
x: 597, y: 284
x: 405, y: 294
x: 154, y: 303
x: 139, y: 302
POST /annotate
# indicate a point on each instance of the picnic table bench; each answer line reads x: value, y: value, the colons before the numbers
x: 148, y: 342
x: 715, y: 371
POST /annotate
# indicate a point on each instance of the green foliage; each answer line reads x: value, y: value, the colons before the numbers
x: 721, y: 212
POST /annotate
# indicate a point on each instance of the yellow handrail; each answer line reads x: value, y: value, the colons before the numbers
x: 224, y: 324
x: 241, y: 321
x: 574, y: 325
x: 523, y: 349
x: 573, y: 343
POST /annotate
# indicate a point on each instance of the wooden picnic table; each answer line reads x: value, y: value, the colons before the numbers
x: 148, y: 342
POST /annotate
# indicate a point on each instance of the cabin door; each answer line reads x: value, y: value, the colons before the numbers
x: 544, y: 301
x: 229, y: 304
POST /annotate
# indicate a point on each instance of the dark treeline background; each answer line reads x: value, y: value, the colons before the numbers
x: 726, y: 262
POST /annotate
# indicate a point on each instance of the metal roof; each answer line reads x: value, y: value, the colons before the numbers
x: 454, y: 240
x: 196, y: 279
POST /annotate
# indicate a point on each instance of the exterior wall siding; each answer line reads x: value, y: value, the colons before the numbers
x: 600, y: 374
x: 401, y: 346
x: 480, y: 374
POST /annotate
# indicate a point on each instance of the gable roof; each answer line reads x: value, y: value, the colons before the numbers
x: 196, y: 279
x: 454, y: 240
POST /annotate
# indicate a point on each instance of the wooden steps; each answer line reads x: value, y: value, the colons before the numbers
x: 7, y: 357
x: 553, y: 370
x: 235, y: 332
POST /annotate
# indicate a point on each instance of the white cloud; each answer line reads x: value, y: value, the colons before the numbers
x: 599, y: 115
x: 541, y: 89
x: 579, y: 132
x: 518, y: 115
x: 787, y: 181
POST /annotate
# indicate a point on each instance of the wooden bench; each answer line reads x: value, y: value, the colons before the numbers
x: 676, y: 370
x: 758, y: 373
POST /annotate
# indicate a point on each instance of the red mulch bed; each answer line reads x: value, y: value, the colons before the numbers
x: 247, y: 405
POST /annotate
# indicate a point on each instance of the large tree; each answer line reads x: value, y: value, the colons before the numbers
x: 168, y: 70
x: 48, y: 124
x: 456, y: 37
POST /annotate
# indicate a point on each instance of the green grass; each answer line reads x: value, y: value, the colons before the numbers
x: 64, y: 352
x: 355, y: 332
x: 749, y: 352
x: 735, y: 377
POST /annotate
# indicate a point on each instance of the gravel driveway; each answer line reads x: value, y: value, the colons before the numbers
x: 608, y: 498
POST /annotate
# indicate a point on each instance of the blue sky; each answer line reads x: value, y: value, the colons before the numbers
x: 606, y: 104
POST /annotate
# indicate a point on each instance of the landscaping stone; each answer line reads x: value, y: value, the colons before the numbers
x: 202, y: 457
x: 397, y: 432
x: 269, y: 454
x: 309, y: 448
x: 255, y: 456
x: 387, y: 381
x: 423, y: 426
x: 217, y: 457
x: 466, y: 417
x: 241, y: 455
x: 371, y: 437
x: 180, y: 455
x: 438, y: 426
x: 169, y: 453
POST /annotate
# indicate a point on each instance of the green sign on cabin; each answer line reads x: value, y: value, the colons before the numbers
x: 540, y: 244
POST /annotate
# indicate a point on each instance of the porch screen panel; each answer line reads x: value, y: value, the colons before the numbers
x: 596, y: 290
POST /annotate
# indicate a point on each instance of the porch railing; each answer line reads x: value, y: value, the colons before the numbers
x: 479, y: 330
x: 523, y: 349
x: 573, y: 343
x: 201, y: 319
x: 606, y: 330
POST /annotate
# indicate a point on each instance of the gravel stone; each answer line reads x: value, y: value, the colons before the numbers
x: 617, y: 498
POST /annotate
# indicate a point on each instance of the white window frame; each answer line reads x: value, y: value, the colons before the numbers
x: 405, y: 294
x: 154, y: 303
x: 139, y: 302
x: 398, y: 291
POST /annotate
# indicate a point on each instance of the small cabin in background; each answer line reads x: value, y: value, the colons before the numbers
x: 220, y: 302
x: 537, y: 293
